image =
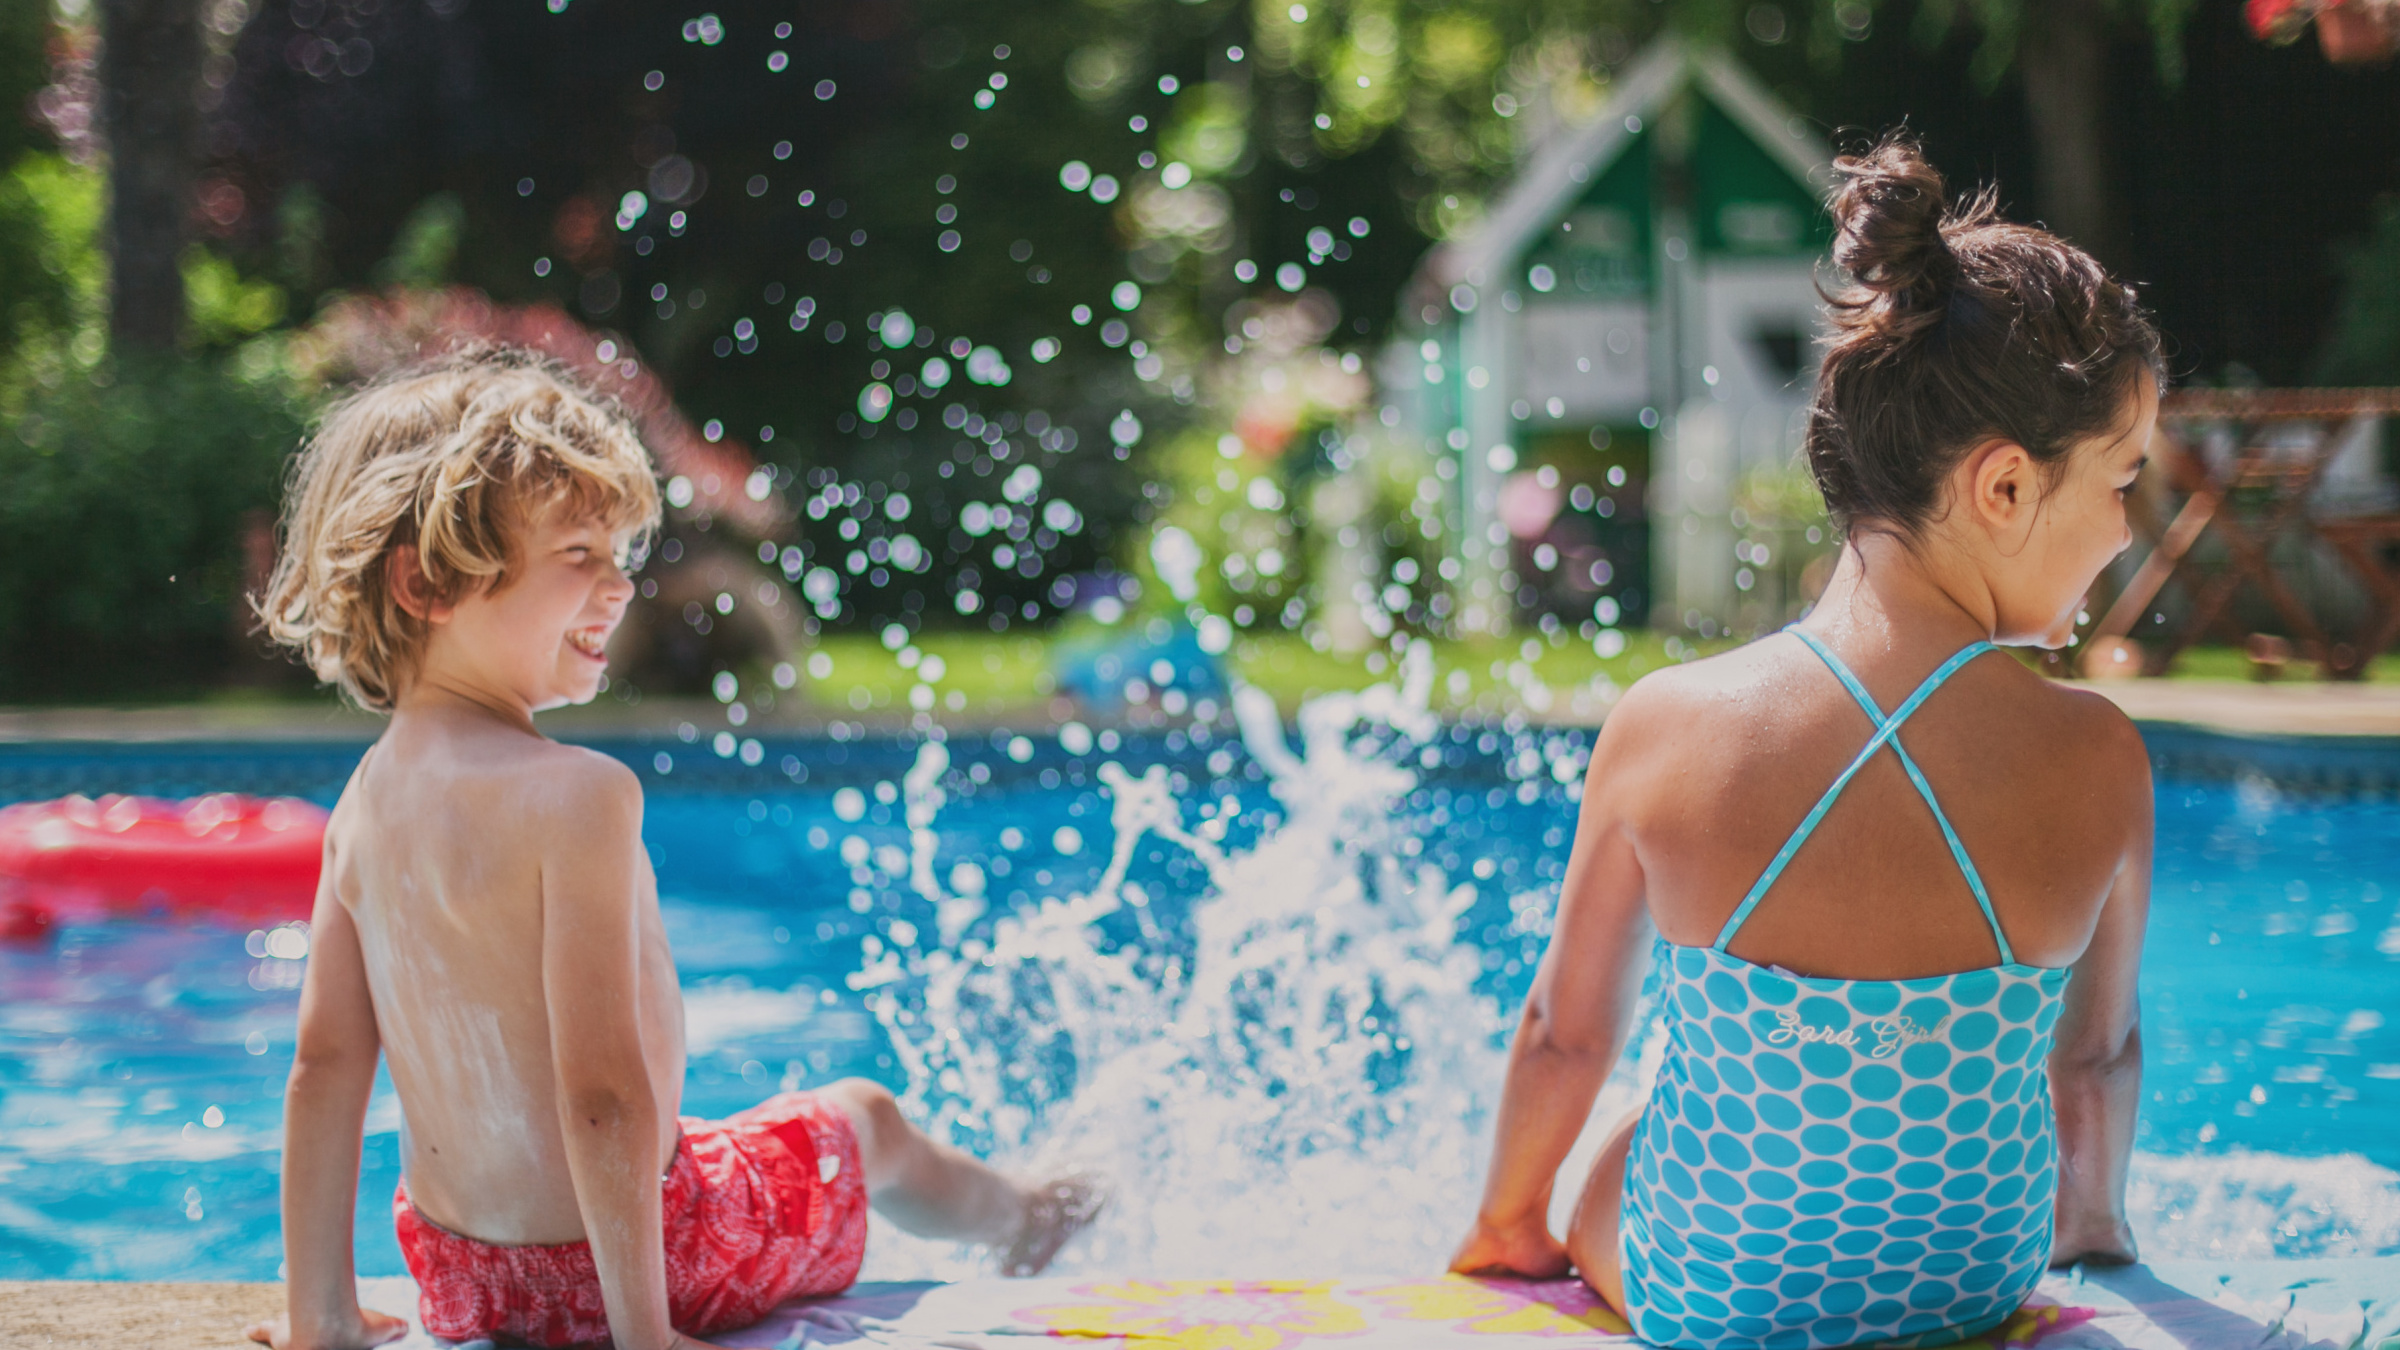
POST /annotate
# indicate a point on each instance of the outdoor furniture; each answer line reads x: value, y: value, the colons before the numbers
x: 2250, y: 503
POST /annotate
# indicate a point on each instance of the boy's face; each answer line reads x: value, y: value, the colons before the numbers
x: 543, y: 635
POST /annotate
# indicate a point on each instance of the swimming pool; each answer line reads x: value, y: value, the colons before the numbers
x: 1274, y: 1014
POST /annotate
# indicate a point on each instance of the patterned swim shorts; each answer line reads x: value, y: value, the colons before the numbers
x: 763, y: 1206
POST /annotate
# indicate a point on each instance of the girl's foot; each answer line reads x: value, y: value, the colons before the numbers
x: 1055, y: 1210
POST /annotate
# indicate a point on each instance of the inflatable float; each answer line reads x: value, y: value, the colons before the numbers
x: 243, y: 859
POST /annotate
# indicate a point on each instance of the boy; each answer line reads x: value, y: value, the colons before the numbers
x: 487, y: 920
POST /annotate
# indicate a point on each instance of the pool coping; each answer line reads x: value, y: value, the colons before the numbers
x: 2346, y: 712
x: 210, y: 1315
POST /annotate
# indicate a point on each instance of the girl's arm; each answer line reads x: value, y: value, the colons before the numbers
x: 324, y: 1116
x: 2096, y: 1062
x: 1575, y: 1020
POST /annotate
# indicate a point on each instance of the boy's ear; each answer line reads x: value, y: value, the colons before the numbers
x: 407, y: 575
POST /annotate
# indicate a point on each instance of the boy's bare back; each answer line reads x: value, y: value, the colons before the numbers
x: 442, y: 851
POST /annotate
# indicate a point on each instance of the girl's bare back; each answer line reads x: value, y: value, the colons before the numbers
x: 2037, y: 779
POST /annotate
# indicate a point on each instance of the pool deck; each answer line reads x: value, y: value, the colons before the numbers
x: 98, y: 1315
x: 2321, y: 1304
x: 2229, y: 706
x: 2244, y: 708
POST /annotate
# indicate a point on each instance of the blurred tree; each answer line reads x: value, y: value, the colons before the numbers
x: 150, y: 81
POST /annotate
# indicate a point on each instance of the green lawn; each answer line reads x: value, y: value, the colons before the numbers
x: 2229, y: 663
x: 1001, y: 672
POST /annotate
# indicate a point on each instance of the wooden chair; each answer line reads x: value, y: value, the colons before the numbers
x: 2250, y: 503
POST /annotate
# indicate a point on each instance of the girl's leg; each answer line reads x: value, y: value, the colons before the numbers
x: 1592, y: 1233
x: 934, y: 1190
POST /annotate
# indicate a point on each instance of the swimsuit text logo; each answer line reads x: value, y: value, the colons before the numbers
x: 1891, y: 1034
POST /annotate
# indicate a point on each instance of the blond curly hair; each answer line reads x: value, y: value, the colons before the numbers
x: 456, y: 457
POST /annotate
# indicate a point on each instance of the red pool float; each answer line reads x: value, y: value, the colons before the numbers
x: 240, y: 858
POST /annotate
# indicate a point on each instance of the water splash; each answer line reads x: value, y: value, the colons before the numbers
x: 1299, y: 1077
x: 2243, y: 1205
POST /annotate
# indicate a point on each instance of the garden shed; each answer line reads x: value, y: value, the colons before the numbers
x: 1615, y: 361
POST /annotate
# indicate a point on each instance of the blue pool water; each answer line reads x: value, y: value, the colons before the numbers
x: 1286, y: 1017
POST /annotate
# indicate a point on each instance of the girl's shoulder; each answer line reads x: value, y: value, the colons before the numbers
x: 1758, y: 692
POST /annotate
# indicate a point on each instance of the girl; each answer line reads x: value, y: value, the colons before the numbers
x: 1898, y: 880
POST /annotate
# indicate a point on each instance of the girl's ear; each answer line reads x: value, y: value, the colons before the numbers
x: 2003, y: 484
x: 406, y: 572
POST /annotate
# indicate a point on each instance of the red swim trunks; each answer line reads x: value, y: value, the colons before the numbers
x: 763, y: 1206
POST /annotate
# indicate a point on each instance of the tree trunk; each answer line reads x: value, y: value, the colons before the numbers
x: 2064, y: 60
x: 149, y: 72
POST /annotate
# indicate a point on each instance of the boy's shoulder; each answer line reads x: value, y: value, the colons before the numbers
x: 576, y: 783
x: 522, y: 780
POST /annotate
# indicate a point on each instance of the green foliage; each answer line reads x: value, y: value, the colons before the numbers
x: 224, y: 308
x: 1253, y: 541
x: 1449, y: 78
x: 24, y: 69
x: 426, y: 247
x: 2365, y: 344
x: 126, y: 491
x: 52, y: 275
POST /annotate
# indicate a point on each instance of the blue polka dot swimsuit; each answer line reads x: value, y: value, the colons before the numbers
x: 1835, y: 1162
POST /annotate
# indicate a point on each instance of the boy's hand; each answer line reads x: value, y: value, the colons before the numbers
x: 1528, y: 1250
x: 371, y: 1329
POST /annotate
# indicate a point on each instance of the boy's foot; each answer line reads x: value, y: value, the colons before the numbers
x: 1055, y: 1210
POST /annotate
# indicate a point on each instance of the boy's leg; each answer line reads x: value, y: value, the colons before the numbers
x: 928, y: 1188
x: 1592, y: 1233
x: 934, y: 1190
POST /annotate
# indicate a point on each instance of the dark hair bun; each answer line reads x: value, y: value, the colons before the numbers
x: 1956, y: 326
x: 1888, y: 212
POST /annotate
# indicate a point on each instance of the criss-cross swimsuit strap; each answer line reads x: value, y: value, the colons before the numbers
x: 1887, y: 731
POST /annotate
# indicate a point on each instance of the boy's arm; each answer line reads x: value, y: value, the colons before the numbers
x: 2096, y: 1062
x: 607, y: 1106
x: 1574, y: 1021
x: 324, y: 1115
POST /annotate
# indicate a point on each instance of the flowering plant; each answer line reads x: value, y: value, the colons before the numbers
x: 2278, y: 21
x: 2352, y: 32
